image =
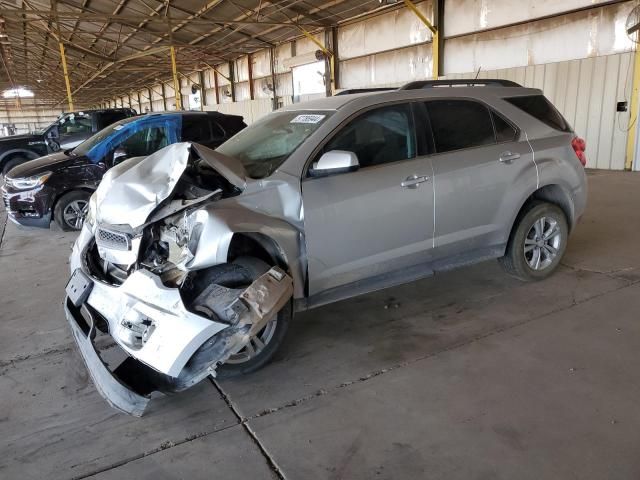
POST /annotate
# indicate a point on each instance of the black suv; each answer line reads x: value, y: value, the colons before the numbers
x: 68, y: 131
x: 59, y: 185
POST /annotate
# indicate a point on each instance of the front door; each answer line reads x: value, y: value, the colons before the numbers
x: 379, y: 219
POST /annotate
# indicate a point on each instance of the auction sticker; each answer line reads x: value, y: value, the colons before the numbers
x: 307, y: 118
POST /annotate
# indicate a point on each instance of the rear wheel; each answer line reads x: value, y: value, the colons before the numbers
x: 537, y: 242
x: 13, y: 162
x: 262, y: 346
x: 71, y: 210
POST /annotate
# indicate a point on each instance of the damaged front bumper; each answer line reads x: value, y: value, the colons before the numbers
x: 119, y: 395
x: 168, y: 347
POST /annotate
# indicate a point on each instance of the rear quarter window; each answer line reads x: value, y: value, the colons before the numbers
x: 542, y: 109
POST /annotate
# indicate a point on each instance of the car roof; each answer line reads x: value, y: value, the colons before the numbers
x: 89, y: 110
x: 186, y: 112
x: 371, y: 98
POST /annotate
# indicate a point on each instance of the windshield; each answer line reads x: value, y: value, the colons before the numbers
x: 40, y: 131
x: 85, y: 147
x: 265, y: 145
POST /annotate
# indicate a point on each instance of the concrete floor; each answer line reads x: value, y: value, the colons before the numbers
x: 467, y: 375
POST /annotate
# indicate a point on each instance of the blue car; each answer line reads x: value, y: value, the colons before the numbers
x: 58, y: 186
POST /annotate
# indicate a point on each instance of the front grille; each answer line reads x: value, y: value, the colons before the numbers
x: 114, y: 240
x: 101, y: 270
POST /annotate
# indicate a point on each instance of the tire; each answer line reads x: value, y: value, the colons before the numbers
x: 530, y: 254
x: 241, y: 273
x: 12, y: 162
x: 71, y: 209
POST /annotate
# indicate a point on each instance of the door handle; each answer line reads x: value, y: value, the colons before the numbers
x: 414, y: 181
x: 508, y: 157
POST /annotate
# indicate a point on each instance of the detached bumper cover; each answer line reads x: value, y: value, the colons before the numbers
x: 118, y: 395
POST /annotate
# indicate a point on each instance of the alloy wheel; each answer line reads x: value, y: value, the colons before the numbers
x: 256, y: 344
x: 74, y: 213
x: 542, y: 243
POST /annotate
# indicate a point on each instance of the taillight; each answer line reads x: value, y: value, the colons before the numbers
x: 579, y: 146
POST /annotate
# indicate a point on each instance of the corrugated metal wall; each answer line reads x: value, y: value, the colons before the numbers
x: 27, y: 121
x: 586, y: 92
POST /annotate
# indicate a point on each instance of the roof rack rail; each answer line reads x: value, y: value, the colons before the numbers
x: 364, y: 90
x: 468, y: 82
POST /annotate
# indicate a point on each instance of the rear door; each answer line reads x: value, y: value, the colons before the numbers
x: 362, y: 225
x: 197, y: 129
x: 482, y: 165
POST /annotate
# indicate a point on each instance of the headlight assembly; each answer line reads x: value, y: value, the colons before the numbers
x: 29, y: 182
x: 90, y: 218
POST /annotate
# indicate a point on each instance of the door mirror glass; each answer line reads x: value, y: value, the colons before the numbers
x: 120, y: 154
x: 335, y: 161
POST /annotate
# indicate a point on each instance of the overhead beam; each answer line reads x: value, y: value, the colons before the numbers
x: 20, y: 15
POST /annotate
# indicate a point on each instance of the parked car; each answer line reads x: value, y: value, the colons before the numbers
x: 59, y: 185
x: 68, y: 131
x: 193, y: 260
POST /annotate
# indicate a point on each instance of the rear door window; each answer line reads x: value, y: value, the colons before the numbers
x: 382, y: 135
x: 195, y: 128
x: 146, y: 141
x: 458, y: 124
x: 539, y: 107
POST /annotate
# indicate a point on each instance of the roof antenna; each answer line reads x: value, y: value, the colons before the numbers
x: 478, y: 72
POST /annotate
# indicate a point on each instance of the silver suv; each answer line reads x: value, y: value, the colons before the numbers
x: 193, y: 261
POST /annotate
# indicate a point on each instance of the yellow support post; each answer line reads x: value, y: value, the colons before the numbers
x: 633, y: 114
x: 435, y: 40
x: 176, y: 81
x: 328, y: 54
x: 315, y: 40
x: 63, y: 58
x: 435, y: 53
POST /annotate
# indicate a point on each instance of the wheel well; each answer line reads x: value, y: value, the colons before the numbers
x: 62, y: 194
x: 553, y: 194
x: 19, y: 154
x: 257, y: 245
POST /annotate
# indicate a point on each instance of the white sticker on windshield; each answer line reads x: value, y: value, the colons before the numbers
x: 307, y: 118
x: 118, y: 127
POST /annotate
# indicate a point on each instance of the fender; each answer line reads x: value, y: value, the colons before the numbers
x: 28, y: 153
x: 220, y: 224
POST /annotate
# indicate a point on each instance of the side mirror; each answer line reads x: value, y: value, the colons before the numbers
x: 335, y: 161
x: 119, y: 155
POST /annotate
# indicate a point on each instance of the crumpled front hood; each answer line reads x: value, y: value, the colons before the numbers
x: 131, y: 191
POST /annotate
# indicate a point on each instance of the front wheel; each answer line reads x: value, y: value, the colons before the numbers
x: 71, y: 210
x: 537, y: 243
x: 263, y: 346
